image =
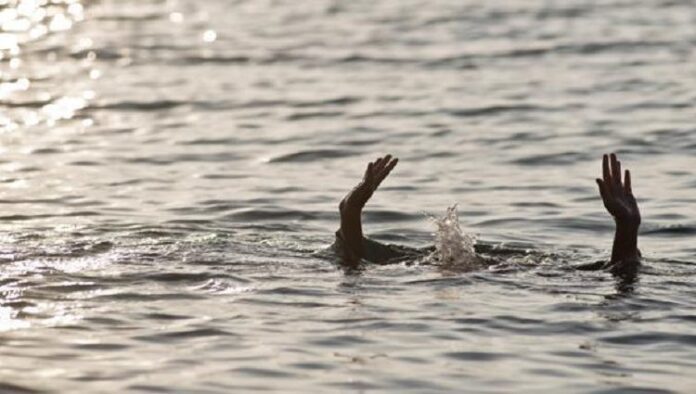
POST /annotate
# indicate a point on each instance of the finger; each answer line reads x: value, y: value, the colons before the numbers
x: 627, y: 183
x: 379, y: 165
x: 615, y: 167
x: 386, y: 160
x: 618, y: 179
x: 393, y: 164
x: 615, y: 173
x: 376, y: 162
x: 390, y: 166
x: 383, y: 175
x: 602, y: 189
x: 606, y: 174
x: 368, y: 171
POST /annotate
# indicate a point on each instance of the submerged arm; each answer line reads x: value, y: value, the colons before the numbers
x: 352, y: 205
x: 621, y: 204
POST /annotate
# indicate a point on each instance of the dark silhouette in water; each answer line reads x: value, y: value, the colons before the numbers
x: 621, y: 204
x: 351, y: 244
x: 617, y: 195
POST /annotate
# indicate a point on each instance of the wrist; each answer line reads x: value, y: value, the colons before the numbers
x: 350, y: 211
x: 627, y: 224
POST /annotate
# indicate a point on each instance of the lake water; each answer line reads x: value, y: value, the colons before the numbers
x: 170, y: 172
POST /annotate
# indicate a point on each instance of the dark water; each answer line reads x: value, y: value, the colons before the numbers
x: 170, y: 168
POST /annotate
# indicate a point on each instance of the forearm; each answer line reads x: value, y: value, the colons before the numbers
x: 352, y: 234
x: 625, y: 243
x: 352, y: 205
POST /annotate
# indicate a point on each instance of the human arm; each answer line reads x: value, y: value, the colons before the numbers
x: 619, y: 201
x: 353, y: 203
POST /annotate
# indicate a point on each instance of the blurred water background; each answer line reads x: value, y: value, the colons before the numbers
x: 169, y: 169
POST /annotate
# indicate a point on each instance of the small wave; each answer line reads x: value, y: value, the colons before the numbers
x: 195, y: 60
x: 11, y: 388
x: 361, y: 58
x: 495, y: 109
x: 476, y: 356
x: 469, y: 59
x: 99, y: 53
x: 610, y: 46
x: 210, y: 141
x: 252, y: 215
x: 583, y: 48
x: 266, y: 373
x: 142, y: 105
x: 183, y: 335
x: 150, y: 297
x: 525, y: 52
x: 566, y: 158
x: 165, y: 160
x: 319, y: 103
x: 310, y: 155
x: 217, y: 59
x: 153, y: 16
x: 101, y: 346
x: 671, y: 230
x: 651, y: 338
x: 314, y: 114
x: 32, y: 104
x: 18, y: 218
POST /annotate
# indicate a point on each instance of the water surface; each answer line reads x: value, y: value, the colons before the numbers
x: 169, y: 170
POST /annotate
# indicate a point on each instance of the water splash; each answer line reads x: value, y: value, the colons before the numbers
x: 453, y: 247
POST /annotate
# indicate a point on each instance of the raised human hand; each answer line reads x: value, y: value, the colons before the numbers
x: 375, y: 173
x: 617, y: 195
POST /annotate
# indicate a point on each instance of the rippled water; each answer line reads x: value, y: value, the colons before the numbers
x: 170, y: 169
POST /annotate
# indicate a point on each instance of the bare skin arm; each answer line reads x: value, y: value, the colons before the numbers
x: 353, y: 203
x: 619, y: 201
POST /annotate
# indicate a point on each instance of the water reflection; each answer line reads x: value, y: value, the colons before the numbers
x: 25, y: 20
x: 22, y: 72
x: 9, y: 320
x: 625, y: 284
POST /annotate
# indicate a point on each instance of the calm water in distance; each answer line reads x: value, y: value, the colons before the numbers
x: 169, y: 170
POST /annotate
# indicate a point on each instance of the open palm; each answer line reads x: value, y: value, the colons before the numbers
x: 375, y: 173
x: 617, y: 195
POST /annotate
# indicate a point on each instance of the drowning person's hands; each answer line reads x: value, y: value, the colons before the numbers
x: 352, y: 205
x: 617, y: 195
x: 375, y: 173
x: 619, y: 201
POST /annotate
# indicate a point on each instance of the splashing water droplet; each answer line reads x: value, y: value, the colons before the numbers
x: 452, y: 245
